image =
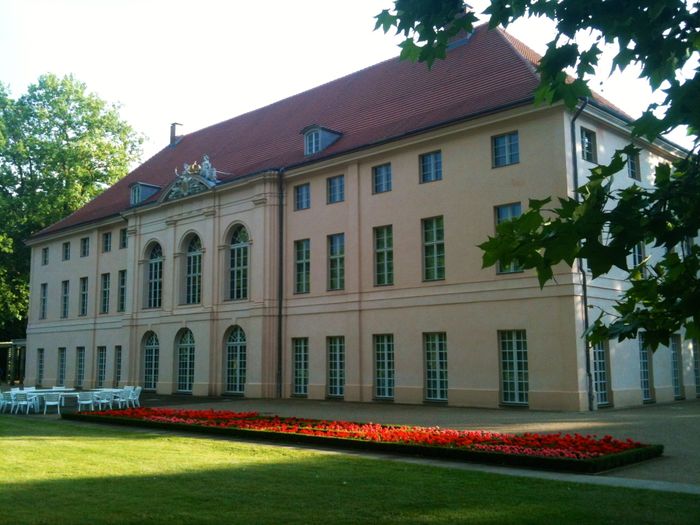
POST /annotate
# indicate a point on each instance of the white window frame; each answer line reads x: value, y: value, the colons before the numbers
x: 430, y: 166
x: 66, y: 251
x: 515, y: 380
x: 39, y: 366
x: 300, y: 366
x: 381, y: 178
x: 154, y: 277
x: 433, y: 236
x: 65, y: 298
x: 61, y: 370
x: 193, y: 271
x: 336, y: 366
x: 336, y: 261
x: 43, y: 299
x: 236, y: 345
x: 646, y: 370
x: 676, y: 366
x: 101, y: 368
x: 80, y: 366
x: 105, y: 285
x: 83, y: 306
x: 335, y: 189
x: 383, y: 255
x: 505, y: 149
x: 117, y: 364
x: 589, y: 145
x: 85, y: 247
x: 504, y: 213
x: 121, y: 291
x: 185, y: 362
x: 239, y: 264
x: 601, y: 374
x: 384, y: 366
x: 151, y: 358
x: 106, y: 242
x: 312, y: 141
x: 302, y: 197
x: 634, y: 167
x: 435, y: 359
x: 302, y: 266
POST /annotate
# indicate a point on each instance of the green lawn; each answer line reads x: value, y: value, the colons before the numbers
x: 58, y: 472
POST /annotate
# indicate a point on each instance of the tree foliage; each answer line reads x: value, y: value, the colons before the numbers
x: 60, y: 146
x: 602, y: 225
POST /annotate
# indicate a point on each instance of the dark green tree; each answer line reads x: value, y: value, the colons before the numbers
x: 60, y: 146
x: 601, y: 225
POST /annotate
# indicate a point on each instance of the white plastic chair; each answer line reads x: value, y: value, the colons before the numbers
x: 103, y: 398
x: 5, y: 401
x: 135, y: 397
x: 121, y: 398
x: 19, y: 400
x: 53, y: 400
x: 86, y: 399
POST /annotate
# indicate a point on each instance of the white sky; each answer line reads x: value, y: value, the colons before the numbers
x: 205, y: 61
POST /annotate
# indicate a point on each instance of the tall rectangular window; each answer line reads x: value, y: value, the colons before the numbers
x: 515, y: 381
x: 589, y: 149
x: 633, y: 167
x: 384, y: 366
x: 155, y: 279
x: 106, y: 242
x: 601, y: 381
x: 381, y: 178
x: 101, y: 366
x: 65, y: 297
x: 336, y: 261
x: 335, y: 187
x: 117, y: 364
x: 433, y: 249
x: 121, y: 291
x: 44, y: 256
x: 300, y: 365
x: 123, y: 239
x: 85, y: 246
x: 43, y: 292
x: 39, y: 366
x: 302, y: 196
x: 83, y: 296
x: 505, y: 149
x: 504, y: 213
x: 80, y: 366
x: 435, y: 348
x: 646, y: 372
x: 676, y: 367
x: 302, y: 266
x: 193, y: 272
x: 66, y: 251
x: 104, y: 293
x: 61, y: 376
x: 383, y: 255
x: 336, y: 366
x: 430, y: 166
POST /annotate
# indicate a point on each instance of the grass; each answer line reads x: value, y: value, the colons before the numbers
x: 58, y: 472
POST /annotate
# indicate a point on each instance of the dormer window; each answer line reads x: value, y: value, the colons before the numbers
x: 318, y: 138
x: 312, y: 141
x: 140, y: 192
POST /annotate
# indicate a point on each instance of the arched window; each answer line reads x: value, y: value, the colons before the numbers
x: 238, y: 263
x: 155, y: 277
x: 235, y: 361
x: 150, y: 361
x: 193, y: 271
x: 185, y: 361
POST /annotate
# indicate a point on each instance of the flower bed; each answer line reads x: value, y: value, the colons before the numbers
x: 551, y: 451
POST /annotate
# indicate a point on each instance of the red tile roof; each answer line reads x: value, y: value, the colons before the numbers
x: 380, y: 103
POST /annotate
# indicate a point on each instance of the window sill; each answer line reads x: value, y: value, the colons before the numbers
x: 494, y: 167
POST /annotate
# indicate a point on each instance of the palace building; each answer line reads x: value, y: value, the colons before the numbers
x: 325, y: 246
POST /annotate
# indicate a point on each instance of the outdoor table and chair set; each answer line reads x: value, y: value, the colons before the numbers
x: 17, y: 401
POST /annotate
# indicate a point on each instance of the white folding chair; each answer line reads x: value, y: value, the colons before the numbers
x: 5, y: 401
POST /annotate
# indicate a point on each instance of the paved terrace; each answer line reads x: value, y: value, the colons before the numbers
x: 674, y: 425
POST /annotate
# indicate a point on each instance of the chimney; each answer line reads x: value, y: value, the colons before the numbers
x: 174, y: 138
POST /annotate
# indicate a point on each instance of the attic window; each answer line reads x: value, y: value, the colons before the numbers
x: 317, y: 138
x: 312, y: 142
x: 140, y: 192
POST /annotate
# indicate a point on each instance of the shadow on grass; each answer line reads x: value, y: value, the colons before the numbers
x: 323, y: 489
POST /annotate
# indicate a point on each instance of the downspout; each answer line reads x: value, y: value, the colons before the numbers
x: 280, y: 274
x: 584, y: 280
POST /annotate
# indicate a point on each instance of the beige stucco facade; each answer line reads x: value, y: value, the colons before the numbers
x: 470, y: 312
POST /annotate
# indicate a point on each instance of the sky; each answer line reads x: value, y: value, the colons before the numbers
x: 199, y: 63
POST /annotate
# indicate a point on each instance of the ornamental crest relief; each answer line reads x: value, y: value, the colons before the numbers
x: 194, y: 178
